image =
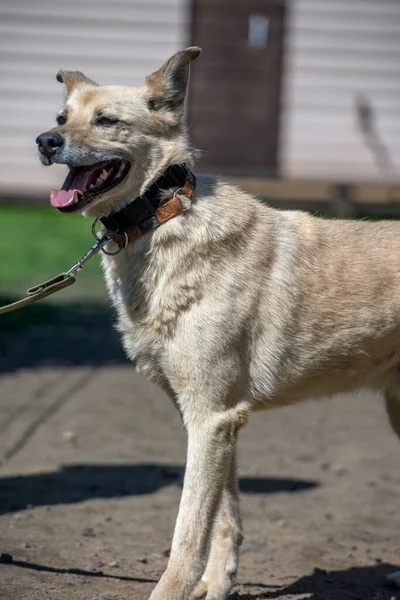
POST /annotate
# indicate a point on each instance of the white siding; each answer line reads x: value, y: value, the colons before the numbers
x: 335, y: 51
x: 112, y: 41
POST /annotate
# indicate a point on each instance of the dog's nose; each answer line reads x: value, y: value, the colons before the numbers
x: 48, y: 143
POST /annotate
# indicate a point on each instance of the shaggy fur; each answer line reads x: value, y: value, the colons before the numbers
x: 231, y: 307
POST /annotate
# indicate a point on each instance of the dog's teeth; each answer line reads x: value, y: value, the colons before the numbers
x: 92, y: 186
x: 102, y: 177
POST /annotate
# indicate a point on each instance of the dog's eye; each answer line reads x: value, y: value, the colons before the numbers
x: 61, y: 119
x: 106, y: 121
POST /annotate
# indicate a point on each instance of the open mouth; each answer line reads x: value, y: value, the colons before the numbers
x: 84, y: 184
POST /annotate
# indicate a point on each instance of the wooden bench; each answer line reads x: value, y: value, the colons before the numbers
x: 334, y: 198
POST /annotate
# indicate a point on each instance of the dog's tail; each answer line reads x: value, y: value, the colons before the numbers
x: 392, y: 400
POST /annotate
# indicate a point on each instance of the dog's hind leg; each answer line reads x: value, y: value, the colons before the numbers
x: 211, y: 444
x: 220, y: 573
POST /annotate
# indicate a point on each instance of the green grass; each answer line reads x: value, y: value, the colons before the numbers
x: 37, y: 242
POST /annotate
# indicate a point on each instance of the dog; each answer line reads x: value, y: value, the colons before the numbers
x: 229, y: 305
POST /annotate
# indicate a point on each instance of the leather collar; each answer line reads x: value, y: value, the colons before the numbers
x: 150, y: 210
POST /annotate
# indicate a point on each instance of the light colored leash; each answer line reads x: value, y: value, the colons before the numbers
x: 63, y: 280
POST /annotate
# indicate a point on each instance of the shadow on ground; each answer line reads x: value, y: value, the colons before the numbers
x: 75, y: 483
x: 23, y: 564
x: 356, y: 583
x: 63, y: 333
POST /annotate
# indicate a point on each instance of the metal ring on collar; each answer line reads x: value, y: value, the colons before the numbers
x: 112, y: 235
x: 94, y: 232
x: 177, y: 191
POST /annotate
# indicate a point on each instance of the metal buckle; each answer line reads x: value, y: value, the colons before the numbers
x: 99, y: 245
x: 107, y: 238
x: 118, y: 248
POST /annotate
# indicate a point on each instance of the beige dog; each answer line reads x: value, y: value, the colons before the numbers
x: 231, y: 306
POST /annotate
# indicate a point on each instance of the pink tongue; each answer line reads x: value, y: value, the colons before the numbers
x: 75, y: 183
x: 62, y: 198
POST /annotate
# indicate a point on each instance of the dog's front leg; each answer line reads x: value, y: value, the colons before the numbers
x: 211, y: 442
x: 222, y: 564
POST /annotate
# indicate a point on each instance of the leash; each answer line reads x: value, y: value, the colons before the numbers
x: 63, y: 280
x: 137, y: 218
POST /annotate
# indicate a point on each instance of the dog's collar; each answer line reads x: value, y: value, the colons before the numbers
x: 150, y: 210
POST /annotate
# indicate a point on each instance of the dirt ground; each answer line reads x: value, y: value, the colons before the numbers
x: 92, y: 459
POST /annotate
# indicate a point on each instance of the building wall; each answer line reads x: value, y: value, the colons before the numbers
x: 112, y: 41
x: 340, y: 115
x: 341, y: 99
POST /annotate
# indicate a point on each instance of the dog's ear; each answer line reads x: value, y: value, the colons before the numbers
x: 167, y: 86
x: 74, y: 79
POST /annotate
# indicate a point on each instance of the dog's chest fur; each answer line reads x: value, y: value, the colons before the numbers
x: 163, y: 284
x: 150, y: 290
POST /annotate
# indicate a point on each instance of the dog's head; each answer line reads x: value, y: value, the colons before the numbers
x: 114, y: 138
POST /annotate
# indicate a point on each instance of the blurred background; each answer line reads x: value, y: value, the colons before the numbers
x: 295, y: 89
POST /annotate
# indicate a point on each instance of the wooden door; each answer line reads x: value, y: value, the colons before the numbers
x: 235, y: 85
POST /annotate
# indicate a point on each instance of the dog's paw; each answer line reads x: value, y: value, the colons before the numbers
x: 200, y: 591
x: 212, y: 590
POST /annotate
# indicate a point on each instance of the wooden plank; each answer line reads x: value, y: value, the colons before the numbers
x: 315, y: 190
x: 119, y: 12
x: 370, y: 7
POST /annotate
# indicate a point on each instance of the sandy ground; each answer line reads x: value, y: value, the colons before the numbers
x: 92, y: 459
